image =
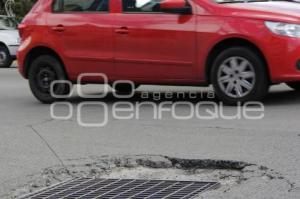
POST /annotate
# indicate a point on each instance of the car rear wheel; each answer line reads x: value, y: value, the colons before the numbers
x: 294, y: 85
x: 43, y: 71
x: 239, y: 75
x: 5, y: 58
x: 125, y: 89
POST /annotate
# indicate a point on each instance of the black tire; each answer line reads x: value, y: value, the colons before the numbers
x: 260, y: 81
x: 49, y: 67
x: 125, y: 89
x: 5, y: 57
x: 294, y: 85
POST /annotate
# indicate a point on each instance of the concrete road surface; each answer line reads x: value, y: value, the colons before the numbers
x: 30, y: 140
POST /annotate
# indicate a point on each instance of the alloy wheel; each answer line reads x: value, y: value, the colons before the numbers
x: 236, y: 77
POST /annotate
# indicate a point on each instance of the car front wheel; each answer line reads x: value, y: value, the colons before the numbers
x: 43, y: 71
x: 5, y: 58
x: 239, y: 75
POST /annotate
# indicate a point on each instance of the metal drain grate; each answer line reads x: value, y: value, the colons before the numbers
x: 88, y: 188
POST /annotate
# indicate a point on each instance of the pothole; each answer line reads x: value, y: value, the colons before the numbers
x: 230, y: 174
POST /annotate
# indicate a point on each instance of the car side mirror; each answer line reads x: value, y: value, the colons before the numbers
x: 176, y: 7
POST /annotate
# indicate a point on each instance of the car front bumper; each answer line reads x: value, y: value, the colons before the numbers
x: 283, y: 57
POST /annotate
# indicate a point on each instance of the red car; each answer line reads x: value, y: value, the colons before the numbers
x: 240, y: 47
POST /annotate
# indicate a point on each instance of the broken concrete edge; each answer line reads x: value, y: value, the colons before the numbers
x: 207, y: 164
x: 158, y: 161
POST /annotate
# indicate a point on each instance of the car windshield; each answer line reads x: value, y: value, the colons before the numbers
x: 248, y: 1
x: 7, y: 23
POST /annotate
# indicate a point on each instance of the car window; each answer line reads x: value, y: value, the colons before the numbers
x: 141, y: 5
x: 81, y: 6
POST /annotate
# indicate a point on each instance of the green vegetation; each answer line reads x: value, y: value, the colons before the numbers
x: 21, y: 7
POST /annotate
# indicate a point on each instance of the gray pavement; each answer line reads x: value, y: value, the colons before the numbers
x: 31, y: 141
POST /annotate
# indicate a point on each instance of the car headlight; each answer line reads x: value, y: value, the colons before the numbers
x: 279, y: 28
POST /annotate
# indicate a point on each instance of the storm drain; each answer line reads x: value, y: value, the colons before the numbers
x: 89, y: 188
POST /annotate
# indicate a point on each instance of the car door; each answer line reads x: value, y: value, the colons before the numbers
x: 154, y: 45
x: 83, y: 32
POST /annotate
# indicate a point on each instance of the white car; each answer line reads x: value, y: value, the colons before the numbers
x: 9, y: 41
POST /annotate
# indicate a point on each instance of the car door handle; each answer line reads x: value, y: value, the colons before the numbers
x: 58, y: 28
x: 122, y: 30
